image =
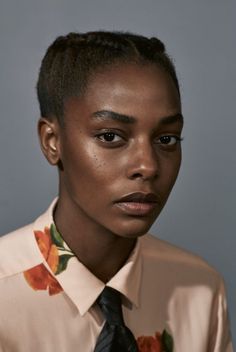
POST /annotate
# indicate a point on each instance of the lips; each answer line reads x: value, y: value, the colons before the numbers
x: 139, y: 197
x: 138, y: 203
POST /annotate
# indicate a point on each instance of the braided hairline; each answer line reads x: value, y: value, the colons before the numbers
x: 72, y: 59
x: 116, y: 40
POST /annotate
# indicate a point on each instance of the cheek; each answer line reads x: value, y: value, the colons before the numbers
x: 170, y: 170
x: 88, y: 168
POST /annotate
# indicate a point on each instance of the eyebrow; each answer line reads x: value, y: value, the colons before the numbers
x: 172, y: 119
x: 108, y: 114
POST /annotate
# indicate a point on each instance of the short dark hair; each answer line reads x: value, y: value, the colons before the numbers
x: 72, y: 59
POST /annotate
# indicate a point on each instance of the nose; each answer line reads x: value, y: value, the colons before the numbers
x: 143, y: 162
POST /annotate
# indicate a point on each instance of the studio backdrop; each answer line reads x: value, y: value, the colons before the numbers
x: 200, y: 35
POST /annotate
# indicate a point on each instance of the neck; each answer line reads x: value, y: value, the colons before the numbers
x: 100, y: 250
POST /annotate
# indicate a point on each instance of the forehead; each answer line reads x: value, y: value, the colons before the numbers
x: 131, y: 89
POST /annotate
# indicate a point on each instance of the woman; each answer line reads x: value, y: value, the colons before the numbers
x: 111, y: 122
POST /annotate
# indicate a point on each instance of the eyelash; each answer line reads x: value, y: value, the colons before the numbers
x: 160, y: 139
x: 177, y: 140
x: 109, y: 133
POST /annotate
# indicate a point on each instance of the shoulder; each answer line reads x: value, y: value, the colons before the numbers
x: 18, y: 251
x: 177, y: 263
x: 188, y: 288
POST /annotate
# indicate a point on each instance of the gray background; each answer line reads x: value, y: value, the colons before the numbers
x: 200, y: 35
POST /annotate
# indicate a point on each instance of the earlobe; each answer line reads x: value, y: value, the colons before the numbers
x: 48, y: 132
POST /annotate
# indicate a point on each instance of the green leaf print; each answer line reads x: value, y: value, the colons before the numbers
x: 167, y: 342
x: 63, y: 261
x: 56, y: 237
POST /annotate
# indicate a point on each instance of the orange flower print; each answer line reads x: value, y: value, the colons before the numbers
x: 38, y: 277
x: 148, y: 344
x: 160, y: 343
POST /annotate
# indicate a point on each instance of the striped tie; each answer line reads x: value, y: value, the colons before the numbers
x: 115, y: 336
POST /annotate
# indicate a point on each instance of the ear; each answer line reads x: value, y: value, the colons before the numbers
x: 48, y: 132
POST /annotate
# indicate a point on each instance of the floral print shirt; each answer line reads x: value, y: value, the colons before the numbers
x: 172, y: 300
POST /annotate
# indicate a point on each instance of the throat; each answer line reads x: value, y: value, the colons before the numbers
x: 102, y: 252
x: 108, y: 261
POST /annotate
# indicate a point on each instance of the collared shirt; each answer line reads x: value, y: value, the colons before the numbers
x: 172, y: 300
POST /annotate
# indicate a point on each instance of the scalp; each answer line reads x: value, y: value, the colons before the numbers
x: 71, y: 60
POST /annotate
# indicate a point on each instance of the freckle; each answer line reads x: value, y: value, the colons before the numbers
x: 101, y: 165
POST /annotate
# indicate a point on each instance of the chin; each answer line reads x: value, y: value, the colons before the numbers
x: 135, y: 228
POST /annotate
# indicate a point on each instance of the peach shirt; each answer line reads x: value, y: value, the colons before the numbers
x: 164, y: 288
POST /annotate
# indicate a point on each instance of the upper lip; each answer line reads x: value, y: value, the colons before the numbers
x: 139, y: 197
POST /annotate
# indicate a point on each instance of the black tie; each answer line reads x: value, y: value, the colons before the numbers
x: 115, y: 336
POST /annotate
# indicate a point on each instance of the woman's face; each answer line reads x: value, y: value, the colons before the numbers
x: 121, y: 140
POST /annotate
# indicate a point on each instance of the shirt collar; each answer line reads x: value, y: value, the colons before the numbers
x: 85, y: 289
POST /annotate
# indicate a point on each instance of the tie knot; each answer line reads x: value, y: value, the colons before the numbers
x: 110, y: 303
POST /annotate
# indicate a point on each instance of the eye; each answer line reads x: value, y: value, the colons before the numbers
x: 109, y: 137
x: 169, y: 140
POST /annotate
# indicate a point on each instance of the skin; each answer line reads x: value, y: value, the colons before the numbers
x: 97, y: 168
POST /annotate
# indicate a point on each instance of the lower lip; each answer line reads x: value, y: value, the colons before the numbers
x: 138, y: 209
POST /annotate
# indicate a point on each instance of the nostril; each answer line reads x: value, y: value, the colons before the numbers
x: 143, y: 176
x: 137, y: 175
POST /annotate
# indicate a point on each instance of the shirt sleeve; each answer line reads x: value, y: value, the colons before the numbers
x: 220, y: 338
